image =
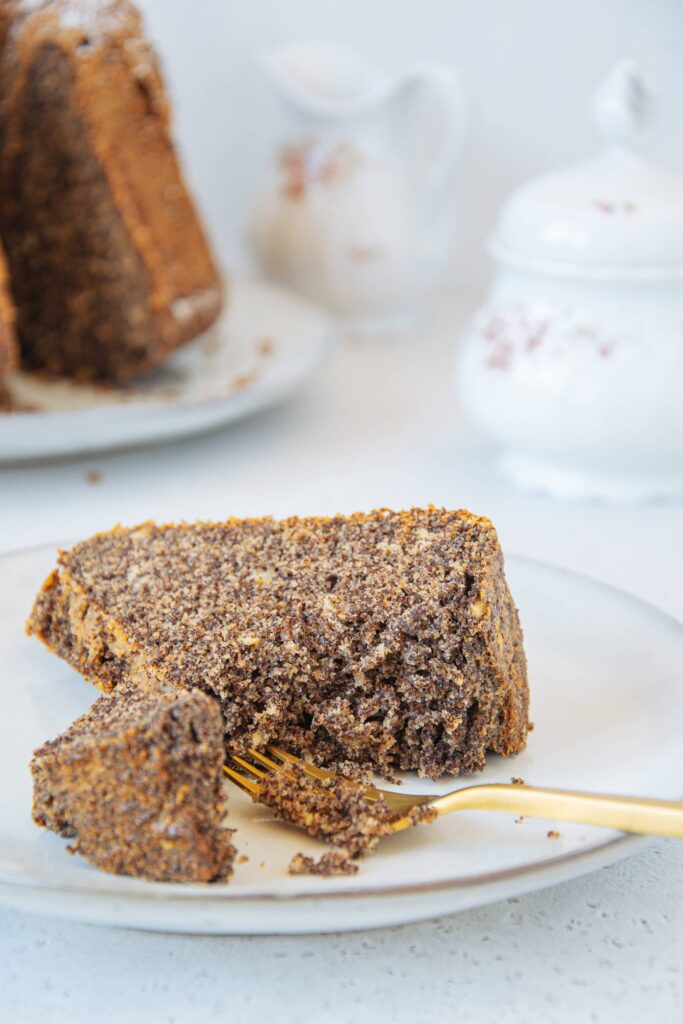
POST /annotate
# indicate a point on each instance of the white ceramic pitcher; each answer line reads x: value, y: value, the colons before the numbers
x: 352, y: 212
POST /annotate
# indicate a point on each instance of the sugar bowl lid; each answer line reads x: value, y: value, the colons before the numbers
x: 614, y: 212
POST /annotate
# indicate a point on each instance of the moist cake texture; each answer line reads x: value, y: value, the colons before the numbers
x: 334, y: 810
x: 137, y: 783
x: 381, y: 641
x: 110, y: 267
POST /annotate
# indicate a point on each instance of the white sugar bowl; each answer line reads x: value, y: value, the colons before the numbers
x: 574, y: 364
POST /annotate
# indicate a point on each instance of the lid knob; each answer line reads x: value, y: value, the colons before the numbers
x: 622, y: 105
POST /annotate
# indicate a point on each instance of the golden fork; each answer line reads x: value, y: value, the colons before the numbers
x: 625, y: 813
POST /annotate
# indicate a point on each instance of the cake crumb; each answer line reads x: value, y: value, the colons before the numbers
x: 530, y: 727
x: 243, y: 380
x: 242, y: 859
x: 265, y: 347
x: 520, y: 819
x: 423, y: 814
x: 553, y: 834
x: 516, y: 781
x: 93, y: 476
x: 334, y: 862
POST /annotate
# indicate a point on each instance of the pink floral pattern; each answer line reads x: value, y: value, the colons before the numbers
x: 610, y: 206
x: 513, y: 334
x: 304, y: 165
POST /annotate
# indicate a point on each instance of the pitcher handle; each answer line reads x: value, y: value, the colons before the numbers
x: 444, y: 126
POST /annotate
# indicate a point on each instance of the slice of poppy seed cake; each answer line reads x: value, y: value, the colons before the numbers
x: 386, y: 640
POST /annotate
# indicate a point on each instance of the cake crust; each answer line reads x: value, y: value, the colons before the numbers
x: 381, y: 641
x: 138, y: 785
x: 110, y: 267
x: 8, y: 348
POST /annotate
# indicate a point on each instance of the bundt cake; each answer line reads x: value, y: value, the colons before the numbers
x: 110, y: 267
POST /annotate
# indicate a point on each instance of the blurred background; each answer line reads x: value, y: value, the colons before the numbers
x: 384, y: 425
x: 529, y: 69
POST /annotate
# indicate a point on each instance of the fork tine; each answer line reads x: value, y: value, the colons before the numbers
x: 247, y: 785
x: 248, y: 767
x: 399, y: 803
x: 311, y: 769
x: 282, y: 754
x: 273, y: 766
x: 320, y: 773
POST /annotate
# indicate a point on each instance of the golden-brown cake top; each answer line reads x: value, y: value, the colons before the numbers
x: 87, y: 28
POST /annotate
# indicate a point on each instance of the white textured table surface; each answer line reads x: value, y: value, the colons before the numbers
x: 378, y: 426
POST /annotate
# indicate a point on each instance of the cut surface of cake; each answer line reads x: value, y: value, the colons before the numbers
x: 110, y: 267
x: 381, y: 641
x: 137, y: 783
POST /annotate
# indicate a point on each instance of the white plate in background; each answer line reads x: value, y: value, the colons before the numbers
x: 267, y: 343
x: 606, y: 674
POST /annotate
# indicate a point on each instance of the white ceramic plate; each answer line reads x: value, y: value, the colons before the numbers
x: 606, y: 674
x: 265, y: 346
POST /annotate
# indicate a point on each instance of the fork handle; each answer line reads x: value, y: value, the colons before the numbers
x: 625, y: 813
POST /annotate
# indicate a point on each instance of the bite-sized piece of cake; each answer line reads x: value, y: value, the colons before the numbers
x: 383, y: 640
x: 137, y: 782
x: 7, y: 335
x: 335, y: 810
x: 110, y: 267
